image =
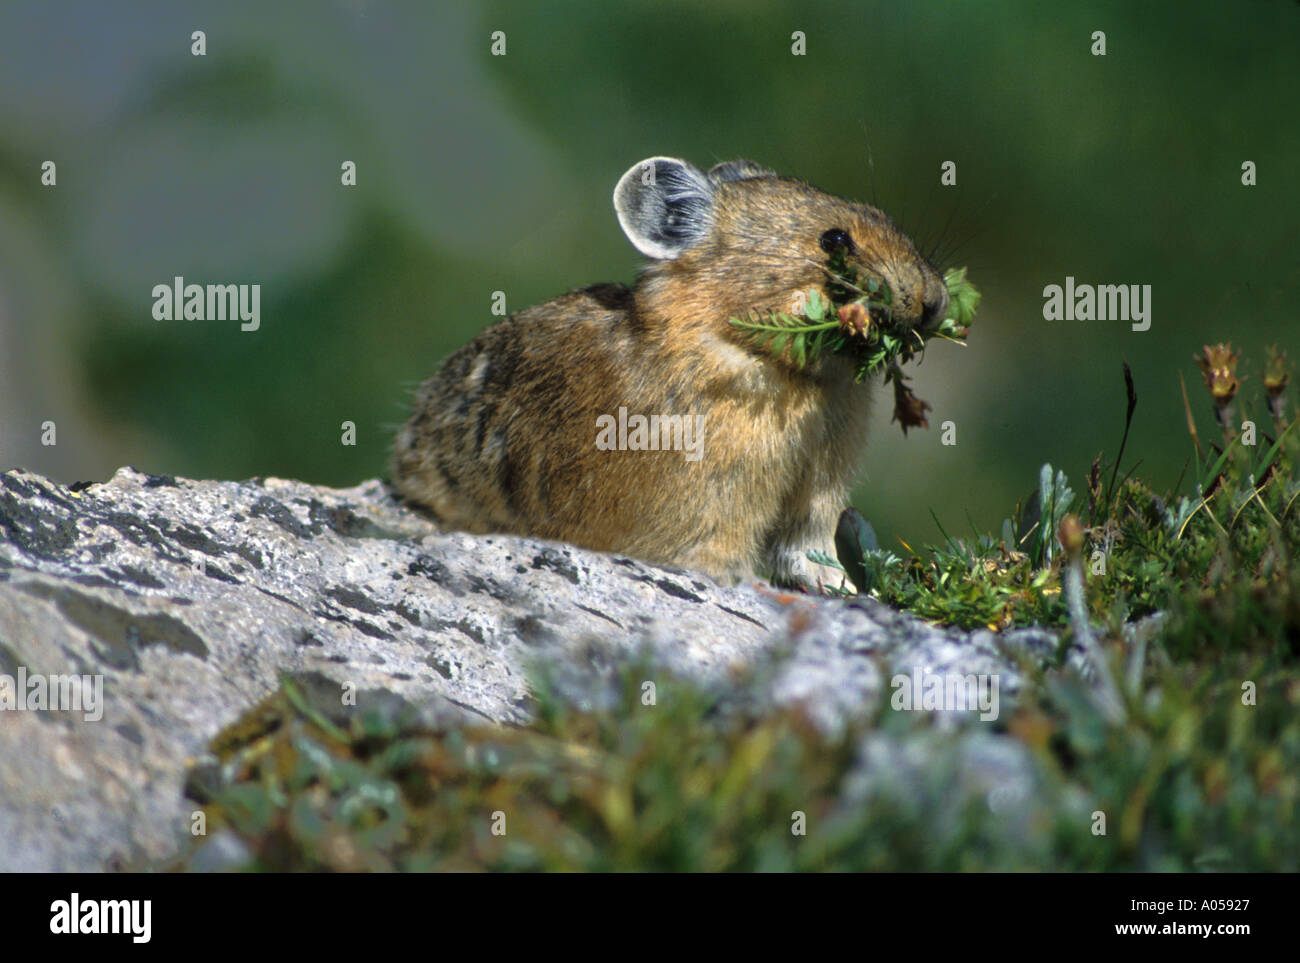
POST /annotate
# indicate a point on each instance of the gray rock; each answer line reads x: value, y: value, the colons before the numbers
x: 190, y: 599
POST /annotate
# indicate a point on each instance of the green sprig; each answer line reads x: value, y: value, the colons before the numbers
x: 880, y: 343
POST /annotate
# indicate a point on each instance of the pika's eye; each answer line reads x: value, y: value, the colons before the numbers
x: 836, y: 238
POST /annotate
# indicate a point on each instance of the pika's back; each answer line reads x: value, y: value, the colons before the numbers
x: 639, y: 420
x: 462, y: 452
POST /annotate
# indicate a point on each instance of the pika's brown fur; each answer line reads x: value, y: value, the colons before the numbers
x: 504, y: 437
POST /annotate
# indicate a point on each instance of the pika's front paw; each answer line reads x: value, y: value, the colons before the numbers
x: 797, y: 571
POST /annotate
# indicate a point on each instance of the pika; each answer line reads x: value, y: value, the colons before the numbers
x: 513, y: 433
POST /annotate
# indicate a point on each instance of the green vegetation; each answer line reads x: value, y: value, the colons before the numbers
x: 857, y: 320
x: 1203, y: 555
x: 1196, y: 781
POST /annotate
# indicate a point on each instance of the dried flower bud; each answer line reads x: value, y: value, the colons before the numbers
x: 909, y: 410
x: 854, y: 318
x: 1071, y: 535
x: 1219, y: 368
x: 1276, y: 373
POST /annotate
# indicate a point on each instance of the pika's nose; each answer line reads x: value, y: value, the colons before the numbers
x: 935, y: 304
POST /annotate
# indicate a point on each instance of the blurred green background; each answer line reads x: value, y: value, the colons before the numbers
x: 479, y: 173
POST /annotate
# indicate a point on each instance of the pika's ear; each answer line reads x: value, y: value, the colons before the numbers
x: 664, y: 205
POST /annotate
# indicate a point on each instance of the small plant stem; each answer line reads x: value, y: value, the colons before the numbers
x: 1191, y: 422
x: 1254, y: 496
x: 1108, y: 697
x: 1204, y: 503
x: 1291, y: 501
x: 788, y: 329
